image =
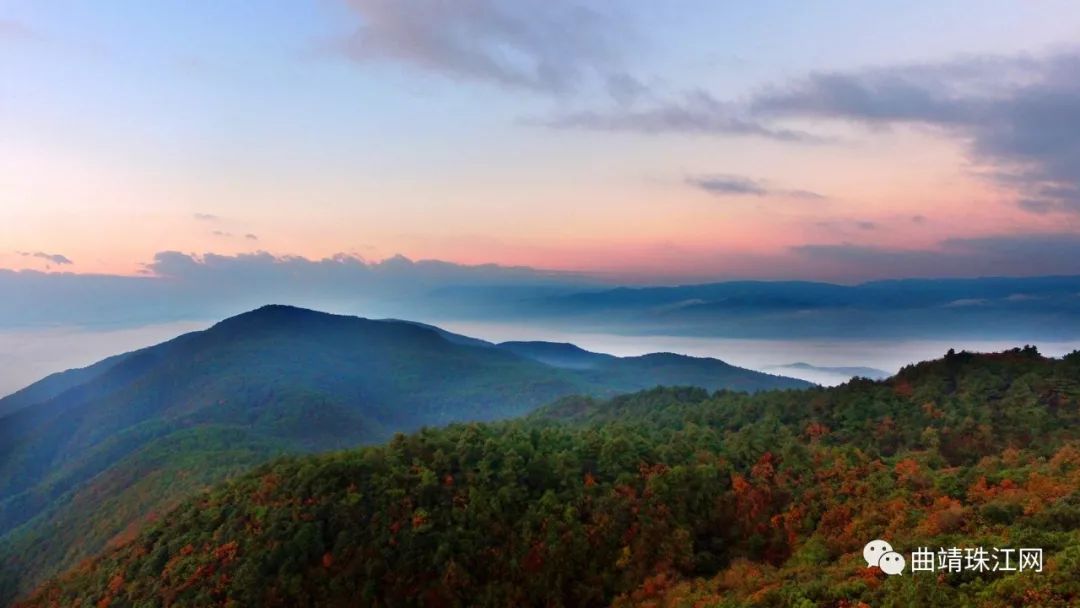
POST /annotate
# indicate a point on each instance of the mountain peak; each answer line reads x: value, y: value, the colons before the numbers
x: 272, y: 316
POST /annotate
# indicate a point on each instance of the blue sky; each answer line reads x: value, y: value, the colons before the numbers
x: 586, y: 137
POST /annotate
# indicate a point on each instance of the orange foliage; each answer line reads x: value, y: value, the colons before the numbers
x: 872, y: 576
x: 116, y: 583
x: 1066, y: 457
x: 946, y: 515
x: 903, y: 388
x: 931, y: 410
x: 739, y: 484
x: 650, y: 471
x: 816, y: 430
x: 1043, y: 490
x: 837, y: 527
x: 763, y: 469
x: 906, y: 469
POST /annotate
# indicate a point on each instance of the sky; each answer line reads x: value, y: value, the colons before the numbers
x: 635, y: 142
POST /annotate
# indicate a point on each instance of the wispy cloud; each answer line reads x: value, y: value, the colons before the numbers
x: 695, y: 113
x: 54, y: 258
x: 205, y: 217
x: 542, y: 46
x: 1018, y: 116
x: 737, y: 185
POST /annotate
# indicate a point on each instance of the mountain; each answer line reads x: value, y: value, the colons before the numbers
x: 680, y: 370
x: 558, y: 354
x: 668, y: 497
x: 55, y: 384
x: 449, y: 336
x: 116, y: 444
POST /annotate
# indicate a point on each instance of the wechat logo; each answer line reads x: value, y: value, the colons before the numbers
x: 880, y: 553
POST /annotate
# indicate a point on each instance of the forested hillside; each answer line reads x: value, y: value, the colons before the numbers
x: 669, y: 497
x: 88, y: 455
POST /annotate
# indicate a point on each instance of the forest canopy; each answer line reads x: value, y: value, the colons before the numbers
x: 668, y: 497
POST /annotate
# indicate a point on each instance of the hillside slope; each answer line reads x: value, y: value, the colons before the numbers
x: 85, y: 465
x: 669, y: 497
x: 53, y: 385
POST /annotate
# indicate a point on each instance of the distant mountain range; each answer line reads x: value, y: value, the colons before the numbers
x: 1009, y: 308
x: 87, y: 455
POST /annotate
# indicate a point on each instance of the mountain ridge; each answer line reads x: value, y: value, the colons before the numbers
x: 277, y: 379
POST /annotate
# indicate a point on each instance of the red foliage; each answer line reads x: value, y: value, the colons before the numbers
x: 649, y: 471
x: 226, y: 553
x: 534, y: 560
x: 903, y: 388
x: 763, y: 469
x: 906, y: 469
x: 816, y: 430
x: 418, y: 520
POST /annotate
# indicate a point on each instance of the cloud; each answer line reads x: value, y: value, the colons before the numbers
x: 541, y: 46
x: 997, y: 255
x: 1019, y: 117
x: 205, y: 217
x: 695, y: 113
x: 847, y: 225
x: 625, y: 89
x: 221, y: 233
x: 184, y: 286
x: 729, y: 184
x: 251, y: 237
x: 736, y: 185
x: 55, y: 258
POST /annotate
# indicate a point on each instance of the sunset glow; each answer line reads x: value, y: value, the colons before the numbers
x: 120, y: 140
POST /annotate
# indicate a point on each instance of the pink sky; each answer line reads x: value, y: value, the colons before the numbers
x: 285, y: 132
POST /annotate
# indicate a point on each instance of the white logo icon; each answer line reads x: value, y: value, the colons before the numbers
x: 892, y: 563
x: 873, y: 551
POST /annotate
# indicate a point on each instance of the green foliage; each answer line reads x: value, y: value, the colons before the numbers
x: 669, y: 497
x: 278, y: 379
